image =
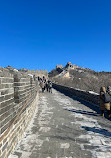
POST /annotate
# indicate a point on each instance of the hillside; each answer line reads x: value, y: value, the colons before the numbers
x: 81, y: 78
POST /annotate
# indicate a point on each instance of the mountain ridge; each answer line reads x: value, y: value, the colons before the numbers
x: 82, y: 78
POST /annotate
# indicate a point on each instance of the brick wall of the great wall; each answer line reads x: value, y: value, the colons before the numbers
x: 18, y: 101
x: 86, y: 96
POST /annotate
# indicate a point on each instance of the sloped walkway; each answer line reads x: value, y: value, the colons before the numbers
x: 65, y: 128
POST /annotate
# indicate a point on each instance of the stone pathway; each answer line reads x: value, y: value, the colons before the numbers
x: 65, y: 128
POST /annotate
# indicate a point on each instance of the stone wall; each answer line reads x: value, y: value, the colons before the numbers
x: 87, y: 96
x: 18, y: 98
x: 39, y: 73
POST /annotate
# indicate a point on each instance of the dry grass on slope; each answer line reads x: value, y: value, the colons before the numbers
x: 86, y: 80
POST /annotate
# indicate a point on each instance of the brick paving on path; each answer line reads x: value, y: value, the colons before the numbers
x: 63, y: 127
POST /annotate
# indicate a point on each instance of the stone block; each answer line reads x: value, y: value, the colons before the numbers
x: 6, y: 103
x: 4, y: 91
x: 5, y: 127
x: 7, y: 97
x: 4, y: 147
x: 2, y: 99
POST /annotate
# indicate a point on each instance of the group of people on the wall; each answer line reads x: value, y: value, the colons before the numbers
x: 105, y: 95
x: 45, y: 84
x: 105, y: 101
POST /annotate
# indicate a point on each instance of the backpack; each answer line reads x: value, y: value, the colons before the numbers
x: 50, y: 85
x: 106, y: 98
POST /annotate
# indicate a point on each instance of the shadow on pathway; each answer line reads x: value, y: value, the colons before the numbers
x: 98, y: 130
x: 83, y: 112
x: 86, y: 103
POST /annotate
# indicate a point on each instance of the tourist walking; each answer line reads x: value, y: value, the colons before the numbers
x: 103, y: 103
x: 43, y: 86
x: 50, y: 86
x: 109, y: 92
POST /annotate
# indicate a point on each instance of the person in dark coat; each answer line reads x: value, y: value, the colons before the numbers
x: 50, y: 86
x: 47, y: 86
x: 109, y: 92
x: 104, y: 105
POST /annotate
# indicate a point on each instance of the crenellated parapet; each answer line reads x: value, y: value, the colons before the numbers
x: 37, y: 72
x: 18, y: 101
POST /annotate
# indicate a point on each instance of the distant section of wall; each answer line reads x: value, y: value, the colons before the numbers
x: 18, y: 99
x: 87, y: 96
x: 59, y: 66
x: 37, y: 73
x: 69, y: 66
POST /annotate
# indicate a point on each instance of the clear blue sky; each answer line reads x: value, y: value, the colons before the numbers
x: 39, y: 34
